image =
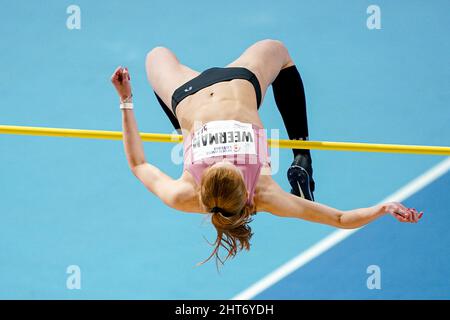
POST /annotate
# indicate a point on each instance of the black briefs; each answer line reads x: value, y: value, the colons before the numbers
x: 212, y: 76
x: 205, y: 79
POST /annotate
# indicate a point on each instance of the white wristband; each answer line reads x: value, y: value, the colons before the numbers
x: 126, y: 105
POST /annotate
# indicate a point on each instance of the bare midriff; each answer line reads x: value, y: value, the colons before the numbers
x: 229, y: 100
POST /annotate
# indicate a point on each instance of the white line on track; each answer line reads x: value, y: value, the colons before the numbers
x: 337, y: 236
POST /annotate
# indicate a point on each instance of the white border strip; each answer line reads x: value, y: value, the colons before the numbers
x: 337, y: 236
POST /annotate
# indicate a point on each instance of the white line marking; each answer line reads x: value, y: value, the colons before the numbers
x: 337, y: 236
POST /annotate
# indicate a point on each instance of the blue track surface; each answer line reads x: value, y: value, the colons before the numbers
x: 75, y: 202
x: 414, y: 262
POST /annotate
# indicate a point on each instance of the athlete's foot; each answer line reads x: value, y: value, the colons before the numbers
x: 300, y: 177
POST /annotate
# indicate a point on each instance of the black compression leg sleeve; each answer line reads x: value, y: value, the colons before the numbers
x: 169, y: 114
x: 289, y: 96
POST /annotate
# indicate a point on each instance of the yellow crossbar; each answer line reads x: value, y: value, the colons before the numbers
x: 274, y: 143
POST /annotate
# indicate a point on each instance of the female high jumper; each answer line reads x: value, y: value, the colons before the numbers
x: 226, y: 169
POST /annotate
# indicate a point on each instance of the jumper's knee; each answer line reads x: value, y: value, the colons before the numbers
x: 277, y: 44
x: 157, y: 52
x: 280, y: 50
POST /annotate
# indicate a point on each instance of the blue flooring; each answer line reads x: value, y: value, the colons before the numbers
x: 74, y: 202
x: 414, y: 262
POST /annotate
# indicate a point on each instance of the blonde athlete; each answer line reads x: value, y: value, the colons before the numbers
x: 226, y: 159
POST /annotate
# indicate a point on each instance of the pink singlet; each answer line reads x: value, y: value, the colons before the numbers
x: 243, y: 144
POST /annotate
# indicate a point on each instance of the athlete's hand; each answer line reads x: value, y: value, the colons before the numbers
x: 121, y: 81
x: 401, y: 213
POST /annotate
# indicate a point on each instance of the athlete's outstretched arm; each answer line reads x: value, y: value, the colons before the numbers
x: 177, y: 194
x: 278, y: 202
x: 132, y: 141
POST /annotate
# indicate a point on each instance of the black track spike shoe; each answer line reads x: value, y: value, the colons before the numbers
x: 300, y: 177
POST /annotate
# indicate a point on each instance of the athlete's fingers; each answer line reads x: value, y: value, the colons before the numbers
x: 406, y: 214
x: 399, y: 214
x: 402, y: 206
x: 124, y: 76
x: 120, y: 75
x: 401, y: 218
x: 115, y: 74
